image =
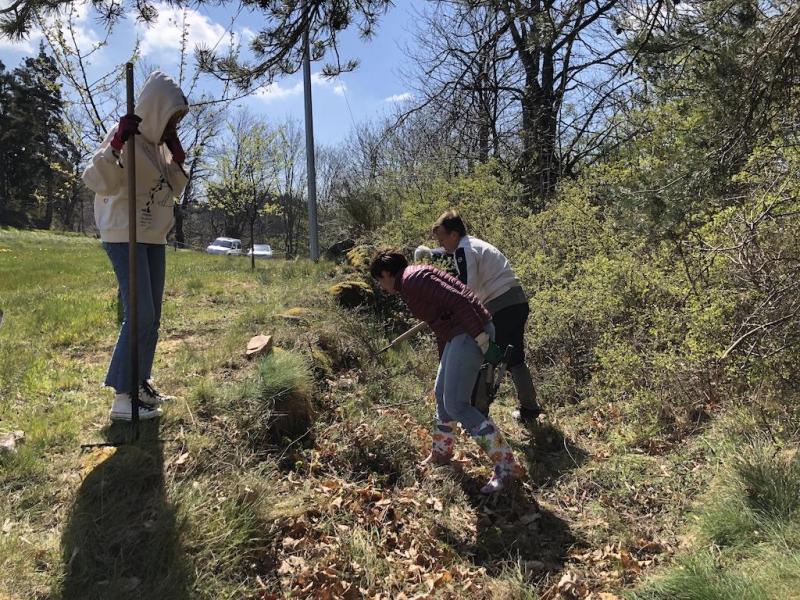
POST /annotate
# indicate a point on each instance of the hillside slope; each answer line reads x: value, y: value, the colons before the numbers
x: 243, y: 500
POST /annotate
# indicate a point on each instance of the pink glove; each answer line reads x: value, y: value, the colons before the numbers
x: 174, y: 145
x: 128, y: 126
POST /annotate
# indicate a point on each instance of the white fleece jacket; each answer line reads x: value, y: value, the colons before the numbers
x: 159, y: 179
x: 484, y: 269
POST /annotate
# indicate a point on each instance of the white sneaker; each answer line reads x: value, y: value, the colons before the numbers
x: 150, y: 395
x: 121, y: 409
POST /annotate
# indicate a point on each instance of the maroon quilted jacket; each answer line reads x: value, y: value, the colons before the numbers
x: 442, y: 301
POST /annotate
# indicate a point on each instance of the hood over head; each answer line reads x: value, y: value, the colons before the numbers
x: 160, y: 98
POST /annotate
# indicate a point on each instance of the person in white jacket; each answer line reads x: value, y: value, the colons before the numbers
x: 160, y: 179
x: 487, y: 272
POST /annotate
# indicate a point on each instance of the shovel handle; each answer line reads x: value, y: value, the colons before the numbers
x: 404, y: 336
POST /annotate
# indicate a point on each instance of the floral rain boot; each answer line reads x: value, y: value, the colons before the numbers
x: 506, y: 468
x: 443, y: 442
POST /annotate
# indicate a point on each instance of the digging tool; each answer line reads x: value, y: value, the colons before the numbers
x: 488, y: 382
x: 133, y: 296
x: 403, y: 336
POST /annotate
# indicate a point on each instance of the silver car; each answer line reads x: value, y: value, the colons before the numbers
x: 260, y: 251
x: 225, y: 245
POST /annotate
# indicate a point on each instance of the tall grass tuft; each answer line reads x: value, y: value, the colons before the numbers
x: 749, y: 534
x: 274, y: 407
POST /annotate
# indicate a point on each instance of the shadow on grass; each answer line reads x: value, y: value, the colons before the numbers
x: 511, y: 526
x: 549, y: 454
x: 121, y: 540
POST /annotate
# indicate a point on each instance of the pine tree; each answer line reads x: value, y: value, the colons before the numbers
x: 6, y: 143
x: 36, y: 155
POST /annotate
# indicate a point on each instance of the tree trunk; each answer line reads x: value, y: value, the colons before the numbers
x: 252, y: 245
x: 483, y: 140
x: 183, y: 204
x: 539, y: 161
x: 180, y: 217
x: 47, y: 222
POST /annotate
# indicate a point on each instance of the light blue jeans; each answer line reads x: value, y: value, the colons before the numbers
x: 458, y: 371
x: 151, y: 263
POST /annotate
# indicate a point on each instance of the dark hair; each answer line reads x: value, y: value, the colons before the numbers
x: 451, y: 221
x: 387, y: 260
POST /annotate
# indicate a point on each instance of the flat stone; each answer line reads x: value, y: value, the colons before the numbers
x: 10, y: 441
x: 258, y: 346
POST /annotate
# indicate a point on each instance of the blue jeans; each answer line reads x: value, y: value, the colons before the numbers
x: 458, y: 370
x: 151, y: 263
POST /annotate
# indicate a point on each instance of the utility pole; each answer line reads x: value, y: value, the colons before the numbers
x: 313, y: 239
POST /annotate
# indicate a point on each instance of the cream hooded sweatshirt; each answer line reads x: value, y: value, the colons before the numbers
x: 159, y: 180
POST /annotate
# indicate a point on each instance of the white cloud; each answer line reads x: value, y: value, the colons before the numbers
x: 25, y: 46
x: 164, y: 34
x: 85, y: 37
x: 278, y: 91
x: 397, y: 98
x: 275, y: 91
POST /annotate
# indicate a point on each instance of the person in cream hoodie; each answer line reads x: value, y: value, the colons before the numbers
x: 160, y: 179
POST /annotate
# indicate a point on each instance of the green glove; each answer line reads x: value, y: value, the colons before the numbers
x: 493, y: 354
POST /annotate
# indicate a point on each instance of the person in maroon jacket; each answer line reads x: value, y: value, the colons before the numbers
x: 464, y: 330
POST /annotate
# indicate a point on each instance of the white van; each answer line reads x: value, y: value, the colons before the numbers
x: 225, y: 245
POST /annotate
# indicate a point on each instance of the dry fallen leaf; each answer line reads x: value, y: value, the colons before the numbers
x: 96, y: 457
x: 571, y: 587
x: 628, y: 562
x: 530, y: 518
x: 650, y: 547
x: 290, y: 542
x: 435, y: 503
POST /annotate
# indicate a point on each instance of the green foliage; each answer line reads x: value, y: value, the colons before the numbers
x: 482, y: 196
x: 762, y: 498
x: 637, y: 297
x: 70, y: 516
x: 227, y: 530
x: 363, y: 209
x: 700, y: 579
x: 662, y: 184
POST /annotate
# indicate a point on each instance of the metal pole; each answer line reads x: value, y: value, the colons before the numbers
x: 133, y: 301
x: 313, y: 239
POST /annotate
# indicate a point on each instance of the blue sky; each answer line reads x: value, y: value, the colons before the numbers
x: 370, y: 91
